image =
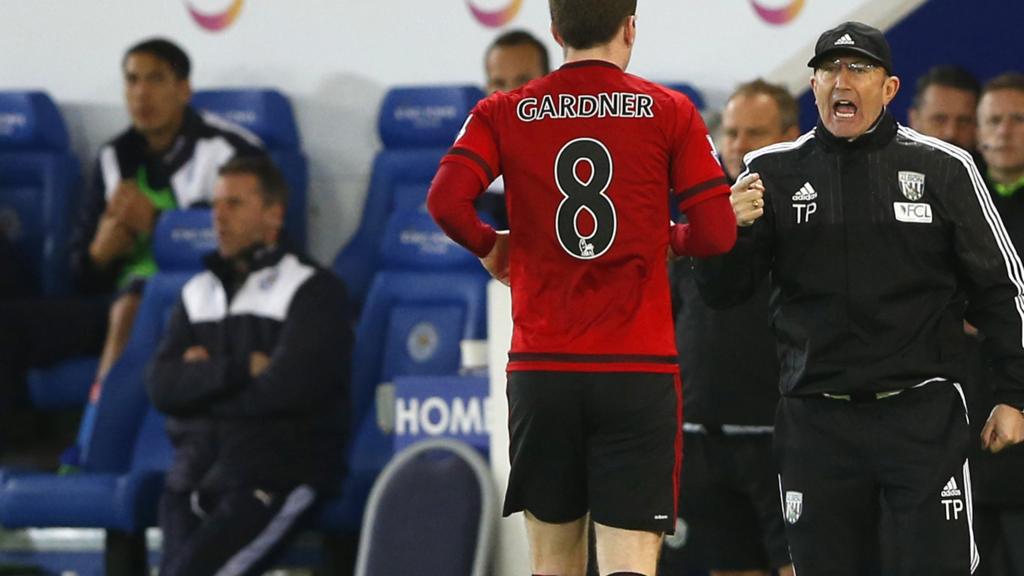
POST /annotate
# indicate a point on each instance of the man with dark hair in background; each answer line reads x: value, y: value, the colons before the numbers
x: 513, y: 59
x: 945, y: 106
x: 167, y: 158
x: 879, y: 242
x: 253, y: 374
x: 589, y: 154
x: 999, y: 486
x: 729, y: 491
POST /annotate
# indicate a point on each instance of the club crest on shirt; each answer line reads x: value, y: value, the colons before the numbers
x: 794, y: 505
x: 912, y: 185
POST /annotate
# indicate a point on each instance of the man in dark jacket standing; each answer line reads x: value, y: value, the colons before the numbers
x: 729, y: 488
x: 253, y: 373
x: 880, y: 241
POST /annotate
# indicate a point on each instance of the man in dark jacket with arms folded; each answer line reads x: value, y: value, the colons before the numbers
x: 253, y: 374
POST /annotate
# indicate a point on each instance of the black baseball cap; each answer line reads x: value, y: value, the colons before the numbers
x: 855, y: 37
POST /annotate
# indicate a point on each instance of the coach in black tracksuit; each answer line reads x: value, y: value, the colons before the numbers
x: 880, y: 242
x: 253, y: 374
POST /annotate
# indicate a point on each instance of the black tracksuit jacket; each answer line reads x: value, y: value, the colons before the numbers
x: 288, y: 425
x: 878, y: 249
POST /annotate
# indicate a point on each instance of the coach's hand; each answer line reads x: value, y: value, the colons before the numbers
x: 258, y: 362
x: 747, y: 199
x: 496, y: 261
x: 195, y: 354
x: 1005, y: 427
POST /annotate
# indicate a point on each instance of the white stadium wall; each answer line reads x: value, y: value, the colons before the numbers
x: 336, y: 58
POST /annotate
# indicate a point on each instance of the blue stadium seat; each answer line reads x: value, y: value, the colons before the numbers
x: 39, y: 184
x: 268, y: 114
x: 432, y: 512
x: 67, y: 384
x: 417, y: 126
x: 695, y: 95
x: 63, y: 385
x: 123, y: 448
x: 412, y: 324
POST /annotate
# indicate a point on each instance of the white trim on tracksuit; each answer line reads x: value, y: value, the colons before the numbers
x: 299, y: 499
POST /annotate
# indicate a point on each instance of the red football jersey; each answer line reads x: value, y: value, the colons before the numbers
x: 589, y: 155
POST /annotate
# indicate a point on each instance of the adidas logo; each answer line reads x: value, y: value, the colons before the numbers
x: 951, y: 489
x: 845, y: 40
x: 805, y: 194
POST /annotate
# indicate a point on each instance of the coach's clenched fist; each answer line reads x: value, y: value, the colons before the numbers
x: 748, y: 199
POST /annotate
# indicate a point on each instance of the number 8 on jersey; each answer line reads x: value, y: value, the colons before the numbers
x: 584, y: 195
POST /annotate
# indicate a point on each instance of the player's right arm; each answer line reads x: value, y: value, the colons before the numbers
x: 465, y: 172
x: 450, y: 202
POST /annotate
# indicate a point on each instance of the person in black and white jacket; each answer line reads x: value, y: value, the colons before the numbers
x: 880, y: 242
x: 167, y: 159
x: 254, y: 376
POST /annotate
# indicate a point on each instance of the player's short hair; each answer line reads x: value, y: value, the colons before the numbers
x: 166, y: 51
x: 949, y: 76
x: 273, y: 186
x: 789, y: 110
x: 1005, y: 81
x: 522, y: 38
x: 587, y: 23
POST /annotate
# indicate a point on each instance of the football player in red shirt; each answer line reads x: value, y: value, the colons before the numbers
x: 589, y: 155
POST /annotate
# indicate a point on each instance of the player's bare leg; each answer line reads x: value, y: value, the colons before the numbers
x: 557, y: 549
x: 633, y: 551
